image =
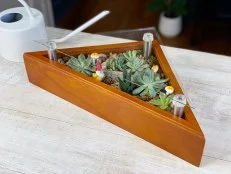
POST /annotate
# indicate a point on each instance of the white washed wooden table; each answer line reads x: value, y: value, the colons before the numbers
x: 41, y: 133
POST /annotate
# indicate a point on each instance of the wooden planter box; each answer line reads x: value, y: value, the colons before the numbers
x: 181, y: 137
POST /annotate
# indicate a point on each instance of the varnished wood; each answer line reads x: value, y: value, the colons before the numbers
x: 181, y: 137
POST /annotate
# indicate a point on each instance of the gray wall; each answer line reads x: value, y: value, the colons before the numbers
x: 5, y: 4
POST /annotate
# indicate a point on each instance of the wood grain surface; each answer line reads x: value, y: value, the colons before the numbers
x: 41, y: 133
x: 181, y: 137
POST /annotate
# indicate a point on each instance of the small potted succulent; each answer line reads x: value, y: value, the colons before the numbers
x: 170, y: 22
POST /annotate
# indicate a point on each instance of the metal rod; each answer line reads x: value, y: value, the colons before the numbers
x: 83, y: 26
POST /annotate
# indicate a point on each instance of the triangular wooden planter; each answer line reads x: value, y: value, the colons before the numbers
x: 181, y: 137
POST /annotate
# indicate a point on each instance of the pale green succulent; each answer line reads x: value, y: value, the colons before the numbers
x: 116, y: 64
x: 163, y: 102
x: 130, y: 56
x: 81, y: 64
x: 137, y: 65
x: 149, y: 83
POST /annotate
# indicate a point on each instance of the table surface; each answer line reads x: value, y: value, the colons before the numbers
x: 41, y: 133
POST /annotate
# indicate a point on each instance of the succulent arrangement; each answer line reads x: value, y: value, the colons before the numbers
x: 130, y: 72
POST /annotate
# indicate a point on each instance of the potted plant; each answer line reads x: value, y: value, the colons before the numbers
x: 170, y: 22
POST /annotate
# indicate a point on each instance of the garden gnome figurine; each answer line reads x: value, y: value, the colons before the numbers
x: 99, y: 75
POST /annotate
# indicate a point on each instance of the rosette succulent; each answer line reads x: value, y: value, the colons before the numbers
x: 149, y: 83
x: 163, y: 102
x: 81, y: 64
x: 116, y: 64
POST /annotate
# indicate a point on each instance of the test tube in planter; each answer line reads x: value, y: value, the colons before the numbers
x: 148, y: 38
x: 52, y: 51
x: 179, y: 102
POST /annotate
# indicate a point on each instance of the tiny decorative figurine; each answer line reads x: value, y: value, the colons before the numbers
x: 179, y: 102
x: 148, y: 38
x: 169, y: 90
x: 155, y: 68
x: 95, y: 57
x: 99, y: 75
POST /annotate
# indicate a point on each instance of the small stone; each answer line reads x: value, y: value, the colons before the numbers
x: 60, y: 60
x: 66, y: 58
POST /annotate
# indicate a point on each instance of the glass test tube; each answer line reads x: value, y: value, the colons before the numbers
x: 148, y: 38
x: 52, y: 51
x: 179, y: 102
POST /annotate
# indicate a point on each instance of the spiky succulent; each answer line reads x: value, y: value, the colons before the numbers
x: 163, y: 102
x: 116, y: 64
x: 126, y: 84
x: 149, y: 83
x: 81, y: 64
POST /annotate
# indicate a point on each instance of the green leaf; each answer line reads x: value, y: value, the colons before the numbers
x: 144, y: 92
x: 155, y: 102
x: 138, y: 90
x: 152, y: 92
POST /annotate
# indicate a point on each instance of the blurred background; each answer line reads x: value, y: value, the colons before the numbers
x: 203, y: 25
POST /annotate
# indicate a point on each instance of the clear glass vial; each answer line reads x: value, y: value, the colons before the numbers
x: 179, y: 102
x: 148, y: 38
x: 52, y: 50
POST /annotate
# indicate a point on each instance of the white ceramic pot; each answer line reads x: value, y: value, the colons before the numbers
x: 170, y: 27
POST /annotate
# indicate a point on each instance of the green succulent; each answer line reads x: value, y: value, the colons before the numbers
x: 163, y: 102
x: 120, y: 63
x: 130, y: 56
x: 110, y: 64
x: 81, y: 64
x: 116, y: 64
x: 137, y: 65
x: 126, y: 84
x: 149, y: 83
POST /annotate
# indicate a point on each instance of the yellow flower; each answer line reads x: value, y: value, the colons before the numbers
x: 155, y: 68
x: 169, y: 90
